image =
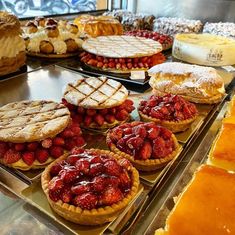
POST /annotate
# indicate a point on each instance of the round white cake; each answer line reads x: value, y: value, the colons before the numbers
x: 204, y: 49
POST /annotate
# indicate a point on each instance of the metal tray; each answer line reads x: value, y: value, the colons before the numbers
x: 36, y: 197
x: 199, y: 157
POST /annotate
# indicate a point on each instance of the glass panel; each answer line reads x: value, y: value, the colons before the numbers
x: 31, y: 8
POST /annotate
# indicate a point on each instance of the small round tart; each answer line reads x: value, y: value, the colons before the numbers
x: 165, y: 40
x: 146, y: 145
x: 90, y: 187
x: 35, y: 133
x: 170, y: 111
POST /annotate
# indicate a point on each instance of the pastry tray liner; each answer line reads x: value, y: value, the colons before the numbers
x: 35, y: 196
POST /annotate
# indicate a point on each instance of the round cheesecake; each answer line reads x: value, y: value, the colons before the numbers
x: 204, y: 49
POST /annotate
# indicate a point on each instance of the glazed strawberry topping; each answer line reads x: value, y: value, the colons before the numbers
x: 69, y: 138
x: 122, y: 63
x: 99, y: 117
x: 90, y: 180
x: 169, y: 107
x: 161, y: 38
x: 142, y: 141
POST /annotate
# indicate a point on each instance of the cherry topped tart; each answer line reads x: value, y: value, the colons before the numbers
x: 165, y: 40
x: 170, y: 111
x: 147, y: 145
x: 90, y: 187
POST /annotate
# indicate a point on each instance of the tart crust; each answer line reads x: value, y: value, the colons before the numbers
x: 149, y: 164
x: 171, y: 125
x: 94, y: 216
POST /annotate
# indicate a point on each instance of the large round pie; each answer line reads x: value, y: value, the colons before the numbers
x: 35, y: 133
x: 90, y: 187
x: 170, y: 111
x: 146, y: 145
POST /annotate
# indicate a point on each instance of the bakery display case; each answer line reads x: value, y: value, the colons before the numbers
x: 147, y: 115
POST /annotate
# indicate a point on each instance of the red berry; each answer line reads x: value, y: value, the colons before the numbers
x: 110, y: 118
x: 80, y: 110
x: 81, y: 188
x: 70, y: 143
x: 67, y: 133
x: 69, y: 175
x: 140, y: 131
x: 11, y: 156
x: 79, y: 141
x: 103, y: 111
x: 153, y: 133
x: 66, y: 195
x: 32, y: 146
x: 99, y: 119
x: 134, y: 142
x: 19, y: 147
x: 122, y: 115
x: 90, y: 112
x: 78, y: 118
x: 123, y: 162
x: 55, y: 169
x: 99, y: 183
x: 125, y: 181
x: 58, y: 141
x: 111, y: 195
x: 56, y: 151
x: 112, y: 110
x: 112, y: 168
x: 96, y: 169
x: 3, y: 149
x: 56, y: 184
x: 41, y: 155
x: 87, y: 121
x: 145, y: 151
x: 166, y: 134
x: 83, y: 166
x: 28, y: 158
x: 86, y: 201
x: 95, y: 159
x: 77, y: 150
x: 72, y: 159
x: 47, y: 143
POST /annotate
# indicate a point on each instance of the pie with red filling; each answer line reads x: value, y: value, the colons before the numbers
x: 90, y: 187
x: 146, y: 145
x: 170, y: 111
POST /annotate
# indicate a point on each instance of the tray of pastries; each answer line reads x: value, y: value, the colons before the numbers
x: 49, y: 38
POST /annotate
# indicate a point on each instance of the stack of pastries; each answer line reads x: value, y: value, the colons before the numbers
x: 12, y: 50
x: 50, y: 37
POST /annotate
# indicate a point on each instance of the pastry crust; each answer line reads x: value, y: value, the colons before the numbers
x: 96, y: 93
x: 195, y: 83
x: 121, y: 46
x: 9, y: 25
x: 12, y: 64
x: 95, y: 26
x: 171, y: 125
x: 94, y: 216
x: 149, y: 164
x: 28, y: 121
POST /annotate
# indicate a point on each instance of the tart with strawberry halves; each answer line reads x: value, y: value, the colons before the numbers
x: 147, y: 145
x: 90, y: 187
x: 170, y: 111
x: 35, y: 133
x: 98, y: 103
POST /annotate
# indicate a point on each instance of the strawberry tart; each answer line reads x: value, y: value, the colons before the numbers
x: 35, y: 133
x: 90, y: 187
x: 170, y: 111
x: 146, y: 145
x: 98, y: 103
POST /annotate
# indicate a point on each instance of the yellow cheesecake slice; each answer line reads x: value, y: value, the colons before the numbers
x: 223, y: 148
x: 204, y: 49
x: 206, y: 206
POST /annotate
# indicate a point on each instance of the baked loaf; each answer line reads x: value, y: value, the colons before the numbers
x: 195, y: 83
x: 95, y: 26
x: 12, y: 50
x: 205, y: 207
